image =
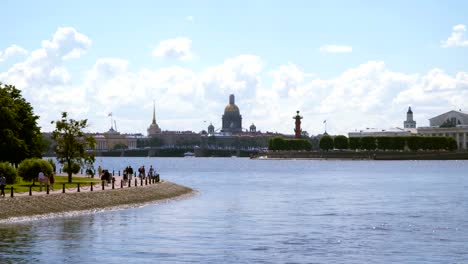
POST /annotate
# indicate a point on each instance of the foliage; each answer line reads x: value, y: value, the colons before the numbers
x: 368, y: 143
x: 29, y: 169
x: 326, y: 143
x: 451, y: 144
x: 341, y: 142
x: 120, y: 146
x: 9, y: 172
x: 385, y: 143
x: 52, y: 163
x: 20, y: 137
x: 279, y: 143
x: 72, y: 143
x: 355, y: 143
x: 75, y: 168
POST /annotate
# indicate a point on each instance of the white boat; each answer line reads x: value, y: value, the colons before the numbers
x: 189, y: 154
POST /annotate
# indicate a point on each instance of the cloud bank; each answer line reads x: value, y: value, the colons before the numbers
x: 367, y: 95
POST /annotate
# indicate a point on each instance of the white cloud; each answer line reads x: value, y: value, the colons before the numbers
x: 457, y: 38
x: 177, y: 48
x: 189, y: 18
x: 11, y: 51
x: 368, y: 95
x: 336, y: 49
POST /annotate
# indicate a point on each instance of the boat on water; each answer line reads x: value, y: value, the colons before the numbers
x: 189, y: 154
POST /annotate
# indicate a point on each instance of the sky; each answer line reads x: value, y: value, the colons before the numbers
x: 355, y: 64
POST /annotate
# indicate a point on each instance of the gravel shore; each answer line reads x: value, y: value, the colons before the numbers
x: 24, y: 206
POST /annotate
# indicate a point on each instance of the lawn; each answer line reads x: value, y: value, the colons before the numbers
x: 23, y: 186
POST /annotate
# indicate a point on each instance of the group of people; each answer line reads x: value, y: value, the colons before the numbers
x: 128, y: 173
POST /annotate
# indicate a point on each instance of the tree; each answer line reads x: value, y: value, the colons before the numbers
x: 368, y: 143
x: 9, y: 172
x: 326, y: 143
x: 341, y: 142
x: 355, y: 143
x: 72, y: 143
x: 20, y: 137
x: 29, y: 169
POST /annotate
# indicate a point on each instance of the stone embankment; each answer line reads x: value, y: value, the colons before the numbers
x: 23, y: 206
x: 365, y: 155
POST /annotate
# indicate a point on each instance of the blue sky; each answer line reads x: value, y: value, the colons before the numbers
x: 276, y: 56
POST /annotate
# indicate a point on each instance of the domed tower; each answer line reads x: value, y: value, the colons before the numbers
x: 232, y: 120
x: 409, y: 123
x: 154, y: 128
x: 211, y: 129
x: 253, y: 128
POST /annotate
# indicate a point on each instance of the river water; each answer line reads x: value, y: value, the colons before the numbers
x: 267, y: 211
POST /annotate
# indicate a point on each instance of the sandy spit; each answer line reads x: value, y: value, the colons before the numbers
x: 23, y: 206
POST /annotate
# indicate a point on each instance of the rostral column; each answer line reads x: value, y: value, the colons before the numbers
x: 298, y: 129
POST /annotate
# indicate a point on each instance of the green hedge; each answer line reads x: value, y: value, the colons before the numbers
x: 413, y: 143
x: 9, y: 172
x: 279, y: 143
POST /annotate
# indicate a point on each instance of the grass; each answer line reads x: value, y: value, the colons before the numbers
x: 23, y: 186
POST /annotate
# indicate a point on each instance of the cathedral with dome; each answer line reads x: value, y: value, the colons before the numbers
x: 232, y: 119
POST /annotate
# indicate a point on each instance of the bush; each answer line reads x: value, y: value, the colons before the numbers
x: 341, y: 142
x: 29, y: 169
x: 9, y: 172
x: 75, y: 168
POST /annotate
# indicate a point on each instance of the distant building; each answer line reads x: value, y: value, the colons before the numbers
x: 232, y: 119
x: 409, y: 123
x: 154, y: 129
x: 450, y: 124
x: 110, y: 139
x: 372, y: 132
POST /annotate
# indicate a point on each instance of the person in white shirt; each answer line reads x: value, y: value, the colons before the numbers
x: 42, y: 180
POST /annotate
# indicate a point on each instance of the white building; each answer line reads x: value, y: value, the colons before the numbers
x: 392, y: 132
x: 451, y: 124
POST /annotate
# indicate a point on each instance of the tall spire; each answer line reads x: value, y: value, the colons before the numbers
x: 154, y: 112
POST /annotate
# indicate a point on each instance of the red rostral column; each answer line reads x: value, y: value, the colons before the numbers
x: 298, y: 129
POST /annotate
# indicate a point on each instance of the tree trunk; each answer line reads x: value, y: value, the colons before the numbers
x: 69, y: 172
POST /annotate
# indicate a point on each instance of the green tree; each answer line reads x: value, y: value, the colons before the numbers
x: 72, y: 143
x: 326, y: 143
x: 9, y: 172
x: 413, y: 143
x: 341, y: 142
x: 451, y: 144
x: 368, y: 143
x: 384, y: 143
x: 20, y: 137
x: 355, y: 143
x: 29, y: 169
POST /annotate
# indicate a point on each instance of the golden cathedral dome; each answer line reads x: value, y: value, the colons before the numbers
x: 230, y: 108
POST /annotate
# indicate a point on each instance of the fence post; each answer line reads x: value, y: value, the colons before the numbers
x: 129, y: 183
x: 30, y: 190
x: 146, y: 181
x: 113, y: 173
x: 113, y: 181
x: 92, y: 186
x: 136, y: 182
x: 11, y: 191
x: 103, y: 185
x: 121, y: 184
x: 141, y: 181
x: 63, y: 190
x: 78, y: 187
x: 47, y: 189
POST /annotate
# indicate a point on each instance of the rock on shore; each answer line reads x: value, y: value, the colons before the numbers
x: 59, y: 203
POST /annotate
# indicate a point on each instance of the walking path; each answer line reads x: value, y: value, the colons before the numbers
x: 96, y: 187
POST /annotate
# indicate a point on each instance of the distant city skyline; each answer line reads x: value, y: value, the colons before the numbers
x: 356, y: 64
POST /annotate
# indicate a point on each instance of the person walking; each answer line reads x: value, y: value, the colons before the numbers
x: 151, y: 172
x: 42, y: 180
x: 2, y: 185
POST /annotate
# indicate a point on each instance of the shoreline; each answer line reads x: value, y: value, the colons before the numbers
x: 33, y: 206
